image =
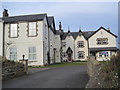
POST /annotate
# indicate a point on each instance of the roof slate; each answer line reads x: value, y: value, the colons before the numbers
x: 34, y: 17
x: 50, y: 20
x: 104, y: 49
x: 75, y: 34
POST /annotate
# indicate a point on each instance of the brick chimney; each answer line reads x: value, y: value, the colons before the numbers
x: 5, y: 13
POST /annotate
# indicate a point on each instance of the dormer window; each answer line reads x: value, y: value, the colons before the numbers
x: 102, y: 41
x: 80, y: 44
x: 13, y: 30
x: 32, y: 30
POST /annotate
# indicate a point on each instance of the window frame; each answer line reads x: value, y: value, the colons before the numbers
x: 80, y: 44
x: 83, y: 56
x: 34, y: 57
x: 102, y: 41
x: 28, y: 31
x: 103, y: 55
x: 14, y: 30
x: 14, y: 53
x: 64, y: 54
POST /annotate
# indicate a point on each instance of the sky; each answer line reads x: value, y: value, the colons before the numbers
x: 89, y: 16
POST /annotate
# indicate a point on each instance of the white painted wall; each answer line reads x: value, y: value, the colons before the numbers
x: 1, y: 38
x: 85, y: 48
x: 105, y: 58
x: 23, y: 42
x: 52, y: 45
x: 45, y: 41
x: 105, y: 34
x: 69, y: 43
x: 57, y: 43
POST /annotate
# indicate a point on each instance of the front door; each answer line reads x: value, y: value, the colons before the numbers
x: 69, y: 54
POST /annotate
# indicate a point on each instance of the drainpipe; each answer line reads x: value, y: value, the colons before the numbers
x: 3, y: 39
x: 74, y: 50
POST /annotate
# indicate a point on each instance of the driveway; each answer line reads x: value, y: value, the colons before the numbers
x: 61, y: 77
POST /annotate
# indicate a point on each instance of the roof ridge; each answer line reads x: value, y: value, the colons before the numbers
x: 25, y: 15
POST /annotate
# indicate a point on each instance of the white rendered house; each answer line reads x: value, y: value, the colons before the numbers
x: 30, y: 35
x: 36, y: 37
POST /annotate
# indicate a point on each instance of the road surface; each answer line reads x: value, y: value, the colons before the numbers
x: 61, y: 77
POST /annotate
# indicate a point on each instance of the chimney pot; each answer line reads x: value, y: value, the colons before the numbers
x: 108, y: 29
x: 5, y: 13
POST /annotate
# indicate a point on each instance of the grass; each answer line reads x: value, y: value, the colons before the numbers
x: 64, y: 64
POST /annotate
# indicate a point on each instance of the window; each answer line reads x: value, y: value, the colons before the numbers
x: 32, y: 29
x: 100, y: 54
x: 13, y: 54
x: 105, y: 41
x: 102, y: 41
x: 63, y: 44
x: 80, y: 44
x: 64, y: 54
x: 106, y: 54
x: 103, y: 53
x: 13, y: 30
x: 32, y: 53
x: 81, y: 55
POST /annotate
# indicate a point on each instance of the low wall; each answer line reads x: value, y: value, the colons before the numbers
x: 102, y: 74
x: 12, y: 69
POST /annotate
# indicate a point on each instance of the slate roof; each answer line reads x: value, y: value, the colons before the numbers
x: 104, y: 49
x: 86, y: 34
x: 50, y: 20
x: 103, y: 29
x: 33, y: 17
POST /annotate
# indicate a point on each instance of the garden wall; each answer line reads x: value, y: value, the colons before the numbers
x: 104, y: 74
x: 12, y: 69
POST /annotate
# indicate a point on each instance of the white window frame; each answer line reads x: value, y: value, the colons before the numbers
x: 103, y: 55
x: 13, y: 53
x: 32, y: 55
x: 64, y: 54
x: 13, y: 30
x: 81, y: 54
x: 102, y: 41
x: 32, y: 30
x: 100, y: 54
x: 80, y: 44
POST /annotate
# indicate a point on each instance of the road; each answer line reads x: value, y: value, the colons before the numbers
x: 61, y: 77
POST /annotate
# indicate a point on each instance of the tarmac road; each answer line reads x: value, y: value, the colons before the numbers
x: 61, y: 77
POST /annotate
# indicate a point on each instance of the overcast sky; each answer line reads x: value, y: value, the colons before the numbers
x: 87, y: 15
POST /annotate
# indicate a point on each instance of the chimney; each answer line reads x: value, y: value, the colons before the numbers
x: 5, y: 13
x: 108, y: 29
x: 60, y: 26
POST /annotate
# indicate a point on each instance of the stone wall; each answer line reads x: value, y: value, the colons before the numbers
x: 12, y: 69
x: 103, y: 74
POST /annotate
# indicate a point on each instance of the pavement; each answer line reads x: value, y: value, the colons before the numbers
x: 60, y: 77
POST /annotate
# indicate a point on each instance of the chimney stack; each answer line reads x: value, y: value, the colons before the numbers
x: 5, y: 13
x: 60, y: 26
x: 108, y: 29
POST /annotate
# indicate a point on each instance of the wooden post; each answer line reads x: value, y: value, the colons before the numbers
x: 25, y: 62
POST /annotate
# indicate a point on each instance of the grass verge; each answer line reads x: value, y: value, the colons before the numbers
x: 64, y: 64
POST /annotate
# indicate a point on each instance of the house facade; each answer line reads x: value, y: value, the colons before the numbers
x: 36, y: 37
